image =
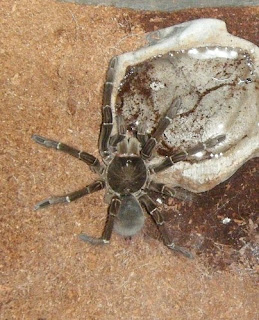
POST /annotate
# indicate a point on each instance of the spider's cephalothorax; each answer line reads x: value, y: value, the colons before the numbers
x: 127, y: 174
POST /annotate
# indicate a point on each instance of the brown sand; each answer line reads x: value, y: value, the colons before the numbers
x: 54, y: 58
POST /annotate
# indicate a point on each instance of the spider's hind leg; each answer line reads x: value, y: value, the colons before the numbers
x: 106, y: 236
x: 157, y: 216
x: 93, y: 187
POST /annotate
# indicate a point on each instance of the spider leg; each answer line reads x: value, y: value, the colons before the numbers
x: 176, y: 192
x: 89, y: 159
x: 105, y: 134
x: 157, y: 216
x: 93, y: 187
x: 106, y: 236
x: 183, y: 155
x: 164, y: 122
x: 107, y: 119
x: 142, y: 135
x: 114, y: 140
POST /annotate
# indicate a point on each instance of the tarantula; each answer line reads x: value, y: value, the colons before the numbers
x: 127, y: 174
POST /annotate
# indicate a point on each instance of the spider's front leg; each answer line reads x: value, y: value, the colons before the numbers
x: 142, y: 135
x: 121, y: 127
x: 106, y: 236
x: 105, y: 141
x: 157, y: 216
x: 89, y: 159
x: 164, y: 122
x: 184, y: 155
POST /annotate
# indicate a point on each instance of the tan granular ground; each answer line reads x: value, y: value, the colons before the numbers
x: 53, y: 62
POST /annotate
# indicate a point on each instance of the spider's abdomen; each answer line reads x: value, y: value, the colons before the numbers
x: 126, y: 174
x: 130, y: 218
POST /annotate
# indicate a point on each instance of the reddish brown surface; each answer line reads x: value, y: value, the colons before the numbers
x: 54, y: 57
x: 200, y: 226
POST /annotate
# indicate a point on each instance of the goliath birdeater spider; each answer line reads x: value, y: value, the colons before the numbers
x: 126, y: 174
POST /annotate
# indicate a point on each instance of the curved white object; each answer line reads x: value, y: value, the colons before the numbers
x: 215, y: 74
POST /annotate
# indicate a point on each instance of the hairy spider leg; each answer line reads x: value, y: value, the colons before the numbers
x: 106, y: 236
x: 105, y: 133
x: 158, y: 218
x: 69, y: 197
x: 164, y: 122
x: 183, y: 155
x: 142, y: 135
x: 176, y: 192
x: 89, y: 159
x: 107, y: 119
x: 121, y: 127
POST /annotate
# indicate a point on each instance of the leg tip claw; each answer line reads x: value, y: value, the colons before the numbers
x: 44, y: 141
x: 181, y: 250
x: 84, y: 237
x: 38, y: 139
x: 42, y: 204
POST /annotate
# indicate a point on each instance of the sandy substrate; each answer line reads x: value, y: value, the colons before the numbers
x: 54, y: 58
